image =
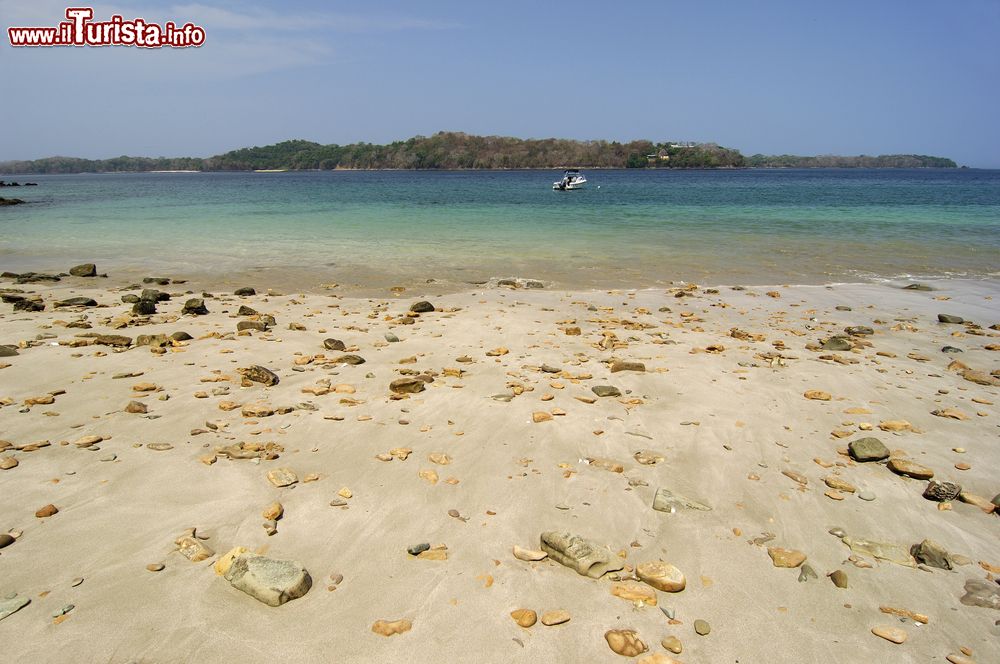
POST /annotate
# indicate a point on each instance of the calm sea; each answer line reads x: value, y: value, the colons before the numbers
x: 627, y: 228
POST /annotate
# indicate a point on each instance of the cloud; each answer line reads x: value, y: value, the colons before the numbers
x: 255, y: 18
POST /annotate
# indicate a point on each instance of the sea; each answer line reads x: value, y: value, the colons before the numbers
x: 453, y: 229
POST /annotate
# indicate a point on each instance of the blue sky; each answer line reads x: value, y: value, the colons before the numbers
x: 779, y: 76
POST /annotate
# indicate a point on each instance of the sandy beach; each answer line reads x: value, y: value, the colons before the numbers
x: 741, y: 403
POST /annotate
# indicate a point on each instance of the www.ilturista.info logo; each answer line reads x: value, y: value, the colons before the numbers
x: 80, y: 30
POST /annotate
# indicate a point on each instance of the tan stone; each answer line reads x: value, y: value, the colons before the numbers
x: 540, y: 416
x: 555, y: 617
x: 661, y: 575
x: 894, y: 634
x: 625, y: 642
x: 634, y: 592
x: 273, y: 512
x: 223, y: 564
x: 817, y: 395
x: 390, y: 628
x: 785, y: 557
x: 673, y: 644
x: 47, y: 511
x: 839, y: 484
x: 280, y: 477
x: 909, y: 468
x: 529, y: 555
x: 524, y: 617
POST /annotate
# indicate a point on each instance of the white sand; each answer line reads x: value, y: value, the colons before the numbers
x: 115, y: 517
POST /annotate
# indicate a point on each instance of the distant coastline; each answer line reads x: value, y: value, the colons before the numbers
x: 459, y: 151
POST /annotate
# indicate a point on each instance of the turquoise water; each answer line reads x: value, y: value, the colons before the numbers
x: 628, y: 228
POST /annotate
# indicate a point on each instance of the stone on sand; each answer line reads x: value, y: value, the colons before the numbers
x: 391, y: 627
x: 908, y: 468
x: 524, y: 617
x: 867, y: 449
x: 268, y: 580
x: 942, y: 491
x: 625, y: 642
x: 281, y: 477
x: 665, y: 500
x: 889, y: 633
x: 785, y: 557
x: 586, y: 557
x: 661, y: 575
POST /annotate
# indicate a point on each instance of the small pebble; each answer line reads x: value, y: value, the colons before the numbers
x: 701, y: 627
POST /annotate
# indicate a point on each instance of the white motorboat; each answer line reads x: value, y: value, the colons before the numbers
x: 572, y: 179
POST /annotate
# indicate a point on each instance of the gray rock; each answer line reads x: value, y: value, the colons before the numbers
x: 627, y: 365
x: 867, y: 496
x: 951, y: 349
x: 77, y: 302
x: 259, y: 374
x: 84, y: 270
x: 932, y: 554
x: 333, y: 344
x: 407, y: 385
x: 918, y: 287
x: 948, y: 318
x: 606, y: 391
x: 254, y: 325
x: 666, y: 500
x: 586, y: 557
x: 157, y: 340
x: 842, y: 307
x: 244, y: 310
x: 117, y: 340
x: 391, y: 338
x: 6, y: 540
x: 942, y: 491
x: 130, y: 298
x: 422, y: 307
x: 181, y: 336
x: 195, y: 306
x: 977, y: 593
x: 271, y: 581
x: 246, y: 291
x: 24, y: 304
x: 12, y: 605
x: 867, y: 449
x: 995, y: 501
x: 417, y: 549
x: 154, y: 295
x: 837, y: 343
x: 8, y: 351
x: 859, y: 331
x: 144, y: 308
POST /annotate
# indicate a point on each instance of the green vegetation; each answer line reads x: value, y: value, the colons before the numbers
x: 861, y: 161
x: 455, y: 150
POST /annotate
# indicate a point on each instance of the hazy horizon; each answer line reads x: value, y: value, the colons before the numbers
x: 774, y: 78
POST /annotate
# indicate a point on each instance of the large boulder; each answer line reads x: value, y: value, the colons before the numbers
x: 84, y: 270
x: 195, y: 306
x: 268, y: 580
x: 586, y: 557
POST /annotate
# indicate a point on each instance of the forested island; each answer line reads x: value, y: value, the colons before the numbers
x: 456, y: 150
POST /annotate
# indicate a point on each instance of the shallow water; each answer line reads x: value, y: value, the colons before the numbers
x: 628, y: 228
